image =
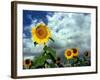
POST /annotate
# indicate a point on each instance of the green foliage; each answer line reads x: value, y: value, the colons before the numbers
x: 48, y: 59
x: 50, y: 52
x: 40, y: 61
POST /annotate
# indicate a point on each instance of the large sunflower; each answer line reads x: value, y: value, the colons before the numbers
x: 41, y: 33
x: 68, y: 53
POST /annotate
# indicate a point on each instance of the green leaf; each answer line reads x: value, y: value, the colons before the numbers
x: 45, y: 48
x: 50, y: 51
x: 35, y: 43
x: 51, y: 39
x: 39, y: 61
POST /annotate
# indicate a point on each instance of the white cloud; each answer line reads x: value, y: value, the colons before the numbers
x: 70, y: 30
x: 30, y: 49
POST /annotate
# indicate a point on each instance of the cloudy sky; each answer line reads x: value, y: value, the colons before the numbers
x: 69, y: 30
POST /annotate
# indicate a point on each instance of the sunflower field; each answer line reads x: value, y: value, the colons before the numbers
x: 41, y: 34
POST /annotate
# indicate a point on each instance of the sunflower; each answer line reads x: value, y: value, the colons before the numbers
x: 27, y: 63
x: 68, y: 53
x: 75, y: 52
x: 87, y: 53
x: 58, y: 60
x: 41, y: 33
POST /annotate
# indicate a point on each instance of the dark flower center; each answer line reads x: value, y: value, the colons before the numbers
x: 58, y: 58
x: 41, y: 32
x: 74, y: 50
x: 68, y: 53
x: 27, y: 61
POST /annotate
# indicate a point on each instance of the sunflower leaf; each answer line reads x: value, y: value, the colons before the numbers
x: 35, y: 43
x: 51, y: 52
x: 51, y: 39
x: 39, y: 61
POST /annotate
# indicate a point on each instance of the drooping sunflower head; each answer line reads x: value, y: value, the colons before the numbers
x: 87, y: 53
x: 75, y: 52
x: 41, y: 33
x: 68, y: 53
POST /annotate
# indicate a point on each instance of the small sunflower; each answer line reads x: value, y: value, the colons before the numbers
x: 68, y: 53
x: 41, y: 33
x: 58, y: 60
x: 27, y: 63
x: 75, y: 52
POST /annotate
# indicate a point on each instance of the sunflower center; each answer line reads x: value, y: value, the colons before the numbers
x: 27, y: 61
x: 41, y: 32
x: 74, y: 51
x: 68, y: 53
